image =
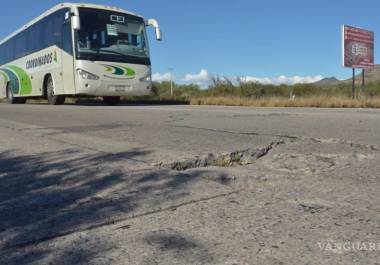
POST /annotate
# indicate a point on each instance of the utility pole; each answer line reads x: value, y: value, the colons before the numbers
x: 171, y: 81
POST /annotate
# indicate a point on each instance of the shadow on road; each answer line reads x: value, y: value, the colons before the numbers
x: 126, y: 102
x: 53, y: 194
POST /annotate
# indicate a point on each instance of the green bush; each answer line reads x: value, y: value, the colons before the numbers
x: 224, y: 87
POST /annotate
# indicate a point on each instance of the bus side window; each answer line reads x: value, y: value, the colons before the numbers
x: 67, y: 44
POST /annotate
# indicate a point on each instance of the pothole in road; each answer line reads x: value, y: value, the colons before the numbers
x: 237, y: 158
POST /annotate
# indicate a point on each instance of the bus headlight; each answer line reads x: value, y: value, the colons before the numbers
x: 147, y: 78
x: 86, y: 75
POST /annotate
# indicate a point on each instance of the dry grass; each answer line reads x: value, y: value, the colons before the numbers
x: 316, y: 102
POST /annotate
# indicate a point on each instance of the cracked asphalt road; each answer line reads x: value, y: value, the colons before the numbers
x: 84, y: 185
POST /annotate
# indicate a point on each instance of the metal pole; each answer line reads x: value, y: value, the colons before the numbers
x: 171, y: 81
x: 353, y: 82
x: 363, y: 78
x: 171, y: 85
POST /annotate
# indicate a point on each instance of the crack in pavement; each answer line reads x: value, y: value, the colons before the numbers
x: 116, y: 221
x: 235, y: 132
x: 286, y: 136
x: 237, y: 158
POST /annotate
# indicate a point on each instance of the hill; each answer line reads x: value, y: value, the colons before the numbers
x: 327, y: 82
x: 371, y: 75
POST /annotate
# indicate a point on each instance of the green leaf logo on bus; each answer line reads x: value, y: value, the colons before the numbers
x: 20, y: 81
x: 120, y: 71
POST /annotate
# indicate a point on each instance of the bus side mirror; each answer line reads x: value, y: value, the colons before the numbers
x: 153, y: 23
x: 75, y: 22
x: 158, y: 34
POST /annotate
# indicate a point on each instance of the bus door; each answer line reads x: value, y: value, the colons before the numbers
x: 67, y: 58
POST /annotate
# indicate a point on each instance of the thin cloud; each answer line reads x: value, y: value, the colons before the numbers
x: 202, y: 77
x: 157, y: 77
x: 283, y: 80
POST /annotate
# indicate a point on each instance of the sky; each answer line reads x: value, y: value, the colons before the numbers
x: 269, y: 41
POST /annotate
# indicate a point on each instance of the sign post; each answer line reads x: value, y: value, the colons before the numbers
x: 358, y: 50
x: 353, y: 83
x: 363, y: 78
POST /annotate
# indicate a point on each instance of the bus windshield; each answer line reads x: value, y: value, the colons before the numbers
x: 111, y: 36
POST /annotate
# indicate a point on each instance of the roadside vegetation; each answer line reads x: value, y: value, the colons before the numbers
x: 223, y: 91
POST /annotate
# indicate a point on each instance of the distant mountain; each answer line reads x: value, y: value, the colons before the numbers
x: 370, y: 75
x: 327, y: 82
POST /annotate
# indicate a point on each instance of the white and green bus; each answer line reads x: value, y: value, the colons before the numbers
x: 78, y: 50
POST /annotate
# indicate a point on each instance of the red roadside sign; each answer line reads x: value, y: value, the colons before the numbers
x: 358, y: 47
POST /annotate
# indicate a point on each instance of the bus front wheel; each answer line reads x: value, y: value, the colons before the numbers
x: 111, y: 100
x: 52, y: 98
